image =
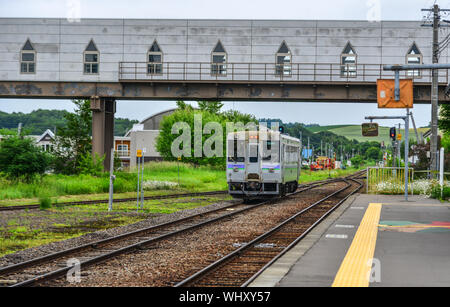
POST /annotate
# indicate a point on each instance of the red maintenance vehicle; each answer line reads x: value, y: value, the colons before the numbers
x: 323, y: 163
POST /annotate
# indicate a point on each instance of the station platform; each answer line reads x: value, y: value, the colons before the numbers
x: 371, y: 241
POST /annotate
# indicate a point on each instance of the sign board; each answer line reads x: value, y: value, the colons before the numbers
x: 369, y: 129
x: 399, y: 137
x: 139, y: 153
x: 386, y: 94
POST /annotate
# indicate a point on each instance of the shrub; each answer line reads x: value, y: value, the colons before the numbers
x: 45, y: 203
x: 20, y: 158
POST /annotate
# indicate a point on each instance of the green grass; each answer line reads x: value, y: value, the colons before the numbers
x: 192, y: 179
x: 309, y: 176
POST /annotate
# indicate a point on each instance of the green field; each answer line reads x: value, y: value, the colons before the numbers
x: 354, y: 132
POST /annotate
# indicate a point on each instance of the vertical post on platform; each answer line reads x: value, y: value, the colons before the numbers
x: 406, y: 153
x: 441, y: 168
x: 138, y: 173
x: 142, y: 183
x: 111, y: 181
x: 178, y: 164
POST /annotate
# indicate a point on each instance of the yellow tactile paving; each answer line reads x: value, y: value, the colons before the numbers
x: 356, y: 266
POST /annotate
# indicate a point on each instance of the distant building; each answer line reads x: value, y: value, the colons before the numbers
x: 44, y: 141
x: 142, y: 136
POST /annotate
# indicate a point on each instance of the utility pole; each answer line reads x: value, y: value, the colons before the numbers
x: 436, y: 12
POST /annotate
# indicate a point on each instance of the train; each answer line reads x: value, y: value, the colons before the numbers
x: 262, y: 164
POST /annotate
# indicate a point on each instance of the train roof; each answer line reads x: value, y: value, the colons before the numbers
x: 270, y: 132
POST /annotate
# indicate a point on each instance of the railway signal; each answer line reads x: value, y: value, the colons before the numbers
x: 393, y: 133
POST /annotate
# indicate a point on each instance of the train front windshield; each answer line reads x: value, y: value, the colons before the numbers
x: 271, y: 151
x: 236, y: 152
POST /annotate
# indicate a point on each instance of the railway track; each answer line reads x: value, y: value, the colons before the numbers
x: 38, y: 270
x: 105, y: 201
x: 243, y: 265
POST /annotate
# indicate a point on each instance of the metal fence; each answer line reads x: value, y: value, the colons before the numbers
x: 267, y: 72
x: 391, y: 179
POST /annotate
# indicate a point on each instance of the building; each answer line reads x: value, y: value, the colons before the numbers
x: 112, y: 50
x: 141, y: 136
x: 46, y: 140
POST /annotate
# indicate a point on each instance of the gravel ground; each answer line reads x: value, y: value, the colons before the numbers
x: 153, y: 219
x: 172, y: 260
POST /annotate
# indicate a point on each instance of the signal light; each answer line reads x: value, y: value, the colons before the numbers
x: 393, y: 133
x: 281, y: 129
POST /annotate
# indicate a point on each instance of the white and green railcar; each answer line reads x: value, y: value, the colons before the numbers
x: 262, y: 164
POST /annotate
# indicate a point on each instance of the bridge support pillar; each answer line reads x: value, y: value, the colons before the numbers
x: 103, y: 110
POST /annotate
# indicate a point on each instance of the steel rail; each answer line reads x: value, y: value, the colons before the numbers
x: 239, y: 251
x: 109, y: 255
x: 303, y: 235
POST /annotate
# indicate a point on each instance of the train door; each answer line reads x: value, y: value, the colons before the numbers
x: 253, y: 169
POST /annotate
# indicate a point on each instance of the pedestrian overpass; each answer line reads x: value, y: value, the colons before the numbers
x: 229, y: 60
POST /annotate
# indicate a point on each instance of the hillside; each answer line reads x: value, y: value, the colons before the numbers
x: 353, y: 132
x: 38, y: 121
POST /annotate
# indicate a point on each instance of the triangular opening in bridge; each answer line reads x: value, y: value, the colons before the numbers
x: 414, y: 49
x: 348, y: 49
x: 28, y: 46
x: 284, y: 48
x: 155, y: 47
x: 219, y: 48
x: 91, y: 46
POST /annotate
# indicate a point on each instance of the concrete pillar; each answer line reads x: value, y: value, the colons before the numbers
x: 103, y: 110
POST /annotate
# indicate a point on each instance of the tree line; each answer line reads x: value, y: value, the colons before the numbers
x: 38, y: 121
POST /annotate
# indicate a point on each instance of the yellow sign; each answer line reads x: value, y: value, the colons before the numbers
x: 386, y: 94
x: 399, y: 137
x: 139, y: 153
x: 179, y: 158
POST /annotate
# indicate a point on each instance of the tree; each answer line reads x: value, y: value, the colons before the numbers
x: 356, y: 161
x: 186, y: 115
x: 20, y: 158
x: 210, y: 106
x: 373, y: 153
x: 73, y: 141
x: 444, y: 118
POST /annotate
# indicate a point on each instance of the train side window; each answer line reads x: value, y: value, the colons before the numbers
x: 273, y: 151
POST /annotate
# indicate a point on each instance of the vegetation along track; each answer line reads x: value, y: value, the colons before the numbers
x: 119, y: 200
x: 54, y: 265
x: 243, y: 265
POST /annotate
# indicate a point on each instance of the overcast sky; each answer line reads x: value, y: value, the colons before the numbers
x: 321, y: 113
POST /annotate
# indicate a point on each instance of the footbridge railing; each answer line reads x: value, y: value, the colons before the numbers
x: 265, y: 72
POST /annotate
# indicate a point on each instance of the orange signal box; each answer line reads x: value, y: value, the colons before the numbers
x: 386, y: 94
x: 399, y: 137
